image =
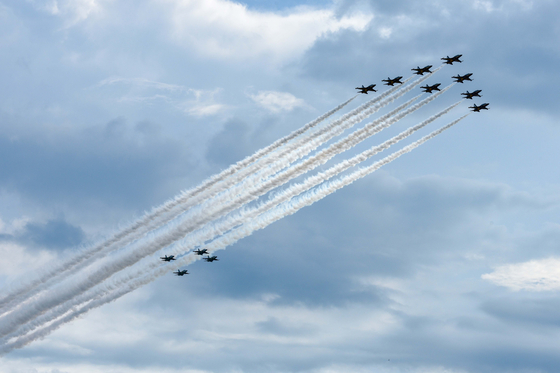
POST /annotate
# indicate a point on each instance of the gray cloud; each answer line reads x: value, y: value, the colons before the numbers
x: 54, y: 234
x: 521, y: 75
x: 396, y: 259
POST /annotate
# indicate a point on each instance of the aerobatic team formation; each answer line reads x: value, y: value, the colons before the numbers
x: 434, y: 87
x: 220, y: 211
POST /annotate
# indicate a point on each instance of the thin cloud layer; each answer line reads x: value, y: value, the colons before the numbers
x: 535, y: 275
x: 277, y: 101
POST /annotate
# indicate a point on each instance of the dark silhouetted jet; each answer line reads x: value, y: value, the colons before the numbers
x: 461, y: 79
x: 470, y: 95
x: 367, y: 89
x: 182, y: 273
x: 167, y: 258
x: 478, y: 108
x: 394, y: 81
x: 450, y: 60
x: 430, y: 88
x: 201, y: 252
x: 421, y: 70
x: 211, y: 258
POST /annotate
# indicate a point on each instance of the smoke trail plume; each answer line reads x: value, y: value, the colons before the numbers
x: 142, y: 225
x: 261, y: 222
x: 207, y: 212
x: 244, y: 215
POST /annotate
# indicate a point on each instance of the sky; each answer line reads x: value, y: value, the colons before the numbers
x: 444, y: 261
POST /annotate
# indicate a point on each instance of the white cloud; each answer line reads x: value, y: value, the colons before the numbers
x: 385, y: 32
x: 141, y: 90
x: 73, y: 11
x: 16, y: 260
x: 277, y: 101
x: 535, y: 275
x: 203, y: 104
x: 141, y: 82
x: 226, y: 29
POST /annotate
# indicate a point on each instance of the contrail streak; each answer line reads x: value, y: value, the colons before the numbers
x: 207, y: 212
x: 285, y: 209
x: 141, y: 226
x: 218, y: 228
x: 146, y: 223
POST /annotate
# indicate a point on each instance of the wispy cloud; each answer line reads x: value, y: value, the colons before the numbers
x: 142, y: 82
x: 277, y: 101
x: 143, y: 90
x: 535, y: 275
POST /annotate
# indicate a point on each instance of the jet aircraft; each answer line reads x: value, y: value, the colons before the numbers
x: 201, y: 252
x: 461, y: 79
x: 470, y: 95
x: 211, y: 258
x: 478, y: 108
x: 167, y: 258
x: 421, y: 70
x: 367, y: 89
x: 430, y: 88
x: 394, y: 81
x: 450, y: 60
x: 182, y: 273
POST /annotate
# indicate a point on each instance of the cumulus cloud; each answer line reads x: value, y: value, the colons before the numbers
x: 535, y: 275
x: 226, y: 29
x: 277, y: 101
x: 16, y: 259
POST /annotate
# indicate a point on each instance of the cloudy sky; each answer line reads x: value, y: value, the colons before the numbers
x: 444, y: 261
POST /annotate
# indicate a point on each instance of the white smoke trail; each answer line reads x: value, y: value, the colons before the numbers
x: 146, y: 223
x: 10, y: 321
x: 207, y: 212
x: 218, y: 228
x: 283, y: 210
x: 151, y: 220
x: 142, y: 225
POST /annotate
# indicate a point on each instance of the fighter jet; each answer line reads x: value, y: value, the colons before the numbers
x: 211, y: 258
x: 182, y: 273
x: 461, y: 79
x: 430, y: 88
x: 478, y: 108
x: 470, y: 95
x: 201, y: 252
x: 421, y: 70
x: 167, y: 258
x: 450, y: 60
x: 367, y: 89
x: 394, y: 81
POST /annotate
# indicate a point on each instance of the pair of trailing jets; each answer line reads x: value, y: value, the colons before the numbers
x: 387, y: 81
x: 169, y: 258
